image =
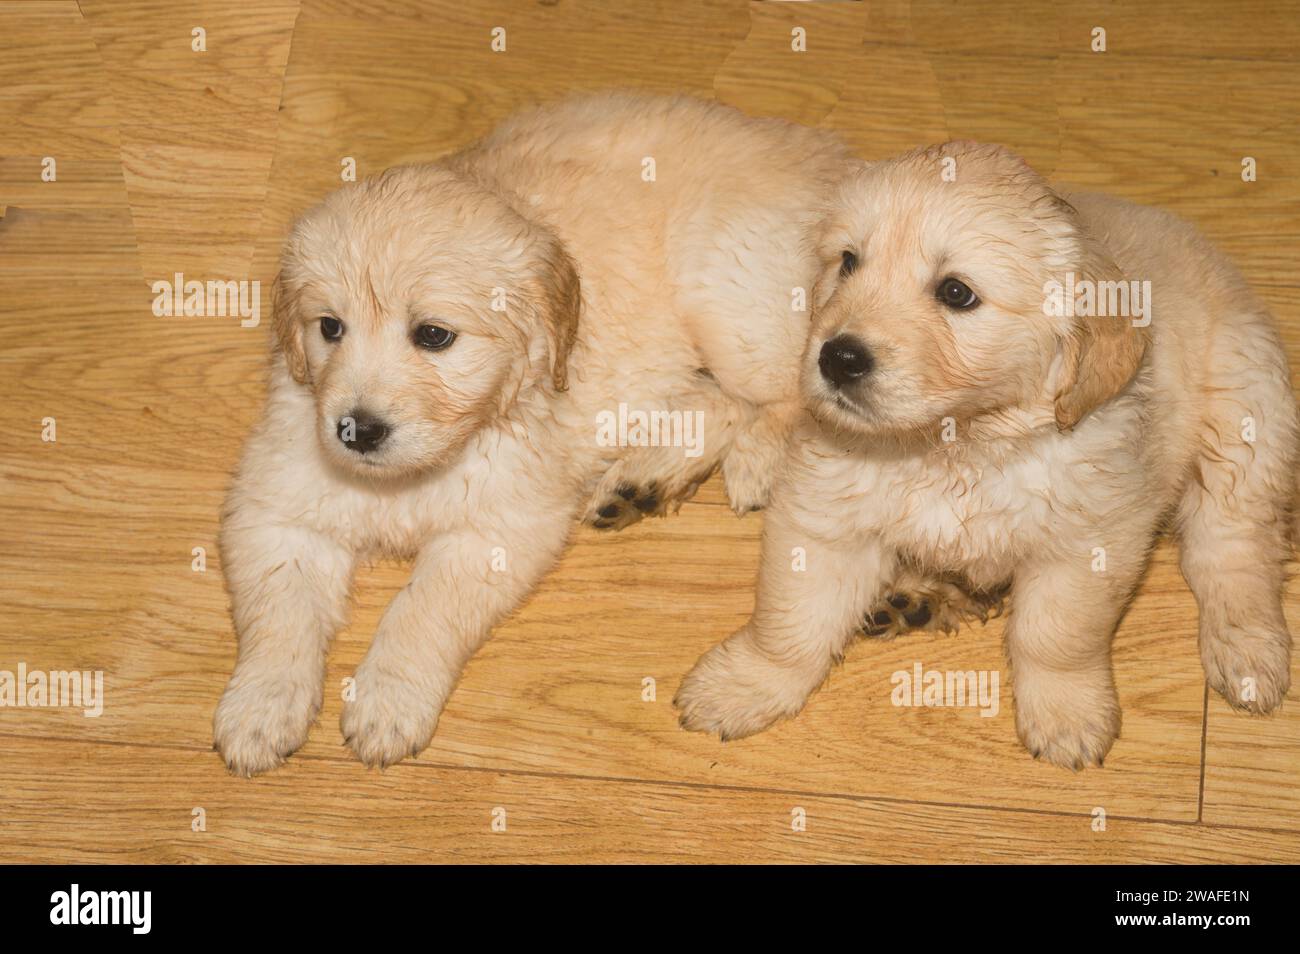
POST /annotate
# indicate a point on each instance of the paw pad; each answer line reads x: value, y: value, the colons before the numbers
x: 899, y: 613
x: 627, y: 506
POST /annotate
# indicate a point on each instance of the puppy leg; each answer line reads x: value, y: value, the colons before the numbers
x: 756, y: 455
x: 648, y: 482
x: 289, y: 589
x: 1234, y: 537
x: 803, y: 618
x: 696, y: 433
x: 462, y: 585
x: 1058, y: 638
x: 915, y: 601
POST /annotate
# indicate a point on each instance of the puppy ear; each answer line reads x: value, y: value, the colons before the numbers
x: 561, y: 293
x: 288, y: 329
x: 1102, y: 352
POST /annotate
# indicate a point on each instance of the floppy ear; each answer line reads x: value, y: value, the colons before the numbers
x: 561, y: 307
x: 1102, y: 352
x: 288, y: 329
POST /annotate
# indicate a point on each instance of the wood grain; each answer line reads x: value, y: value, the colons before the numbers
x: 171, y: 161
x: 110, y: 807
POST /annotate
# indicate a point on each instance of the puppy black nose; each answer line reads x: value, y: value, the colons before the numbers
x: 361, y: 432
x: 844, y: 359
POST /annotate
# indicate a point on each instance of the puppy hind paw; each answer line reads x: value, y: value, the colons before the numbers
x: 934, y: 606
x: 897, y: 614
x: 626, y: 506
x: 627, y: 501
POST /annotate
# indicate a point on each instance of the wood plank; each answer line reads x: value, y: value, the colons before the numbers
x: 559, y: 687
x: 198, y: 134
x: 171, y: 161
x: 54, y: 98
x: 1252, y: 763
x: 71, y: 802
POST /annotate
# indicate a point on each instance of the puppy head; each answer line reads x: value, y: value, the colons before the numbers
x: 417, y: 306
x: 931, y: 303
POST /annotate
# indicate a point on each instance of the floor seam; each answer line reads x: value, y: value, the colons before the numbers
x: 677, y: 783
x: 1205, y: 732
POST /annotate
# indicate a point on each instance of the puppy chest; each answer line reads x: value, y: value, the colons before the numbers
x: 370, y: 523
x: 972, y: 527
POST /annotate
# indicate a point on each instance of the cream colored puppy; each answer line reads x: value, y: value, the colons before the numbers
x: 987, y: 405
x: 463, y: 353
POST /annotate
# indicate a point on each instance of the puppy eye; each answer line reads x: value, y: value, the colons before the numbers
x: 434, y: 338
x: 331, y: 329
x: 848, y: 264
x: 956, y: 294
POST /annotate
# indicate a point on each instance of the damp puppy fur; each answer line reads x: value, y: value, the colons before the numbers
x: 446, y: 337
x: 1072, y: 440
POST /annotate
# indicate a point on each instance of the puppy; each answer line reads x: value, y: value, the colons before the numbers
x: 990, y: 401
x: 459, y: 349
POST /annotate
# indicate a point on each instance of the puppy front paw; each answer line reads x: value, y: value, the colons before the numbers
x: 262, y: 721
x: 748, y: 480
x: 1251, y: 669
x: 735, y: 691
x: 390, y: 718
x: 1062, y: 721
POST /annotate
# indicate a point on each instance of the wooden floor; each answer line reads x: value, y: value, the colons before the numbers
x: 171, y: 160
